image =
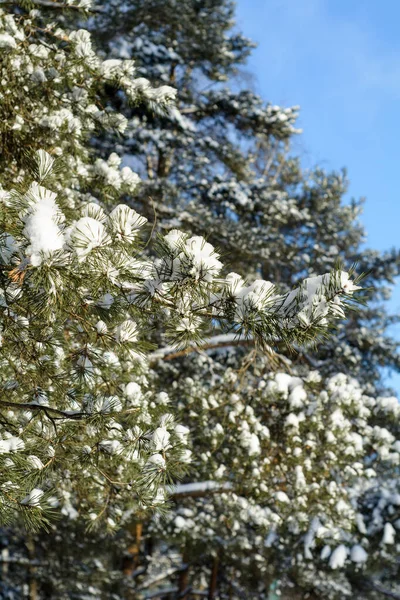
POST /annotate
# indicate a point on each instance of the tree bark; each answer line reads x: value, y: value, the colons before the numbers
x: 131, y: 561
x: 214, y: 579
x: 183, y: 588
x: 32, y: 581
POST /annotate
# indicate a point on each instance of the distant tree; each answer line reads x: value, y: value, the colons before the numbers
x: 222, y: 167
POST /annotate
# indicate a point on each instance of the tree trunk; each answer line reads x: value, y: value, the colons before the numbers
x: 184, y: 578
x: 32, y: 581
x: 214, y: 579
x: 131, y: 561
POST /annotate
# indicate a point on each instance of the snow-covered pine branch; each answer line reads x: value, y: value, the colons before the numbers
x: 77, y: 302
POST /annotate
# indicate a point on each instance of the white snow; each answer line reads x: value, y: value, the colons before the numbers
x: 250, y: 441
x: 33, y: 498
x: 325, y: 552
x: 297, y: 397
x: 282, y: 497
x: 338, y: 557
x: 133, y: 391
x: 156, y: 460
x: 127, y: 332
x: 292, y: 421
x: 111, y: 446
x: 125, y: 222
x: 7, y: 41
x: 182, y: 433
x: 204, y: 257
x: 198, y: 487
x: 41, y: 228
x: 35, y: 462
x: 389, y: 534
x: 283, y: 382
x: 12, y: 444
x: 310, y: 536
x: 160, y: 439
x: 358, y: 554
x: 88, y: 234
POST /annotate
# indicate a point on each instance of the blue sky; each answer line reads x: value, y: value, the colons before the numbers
x: 340, y: 61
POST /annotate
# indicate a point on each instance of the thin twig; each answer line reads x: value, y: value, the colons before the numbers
x: 49, y: 4
x: 154, y: 222
x: 171, y: 355
x: 46, y: 409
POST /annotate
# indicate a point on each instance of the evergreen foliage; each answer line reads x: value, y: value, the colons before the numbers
x: 132, y: 358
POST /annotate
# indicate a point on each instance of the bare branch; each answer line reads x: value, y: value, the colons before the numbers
x: 218, y: 341
x: 162, y: 576
x: 46, y: 409
x: 198, y: 489
x: 52, y: 5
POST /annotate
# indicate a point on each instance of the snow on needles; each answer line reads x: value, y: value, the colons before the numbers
x: 41, y: 225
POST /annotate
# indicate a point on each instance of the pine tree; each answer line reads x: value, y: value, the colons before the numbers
x: 102, y: 330
x: 237, y: 182
x: 222, y: 167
